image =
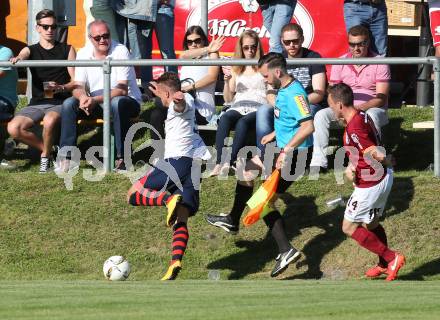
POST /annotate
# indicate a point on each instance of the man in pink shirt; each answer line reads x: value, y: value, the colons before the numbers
x: 370, y: 85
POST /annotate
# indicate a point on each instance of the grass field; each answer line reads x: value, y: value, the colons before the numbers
x: 257, y: 300
x: 63, y: 237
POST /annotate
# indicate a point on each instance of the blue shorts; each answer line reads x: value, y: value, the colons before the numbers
x: 174, y: 175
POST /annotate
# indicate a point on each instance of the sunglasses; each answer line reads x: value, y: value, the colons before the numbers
x: 196, y: 41
x: 358, y: 44
x: 98, y: 38
x: 290, y: 42
x: 47, y: 26
x: 247, y: 48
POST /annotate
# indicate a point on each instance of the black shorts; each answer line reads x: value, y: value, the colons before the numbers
x: 298, y: 162
x: 175, y: 176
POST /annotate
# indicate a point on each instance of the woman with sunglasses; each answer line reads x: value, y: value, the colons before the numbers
x: 201, y: 80
x: 245, y: 89
x: 197, y: 46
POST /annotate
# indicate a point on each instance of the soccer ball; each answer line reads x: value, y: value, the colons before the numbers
x: 116, y: 268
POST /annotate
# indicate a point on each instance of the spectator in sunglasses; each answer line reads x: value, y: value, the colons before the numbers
x: 202, y: 83
x: 370, y: 85
x: 50, y: 87
x: 88, y: 92
x: 312, y: 78
x: 196, y: 46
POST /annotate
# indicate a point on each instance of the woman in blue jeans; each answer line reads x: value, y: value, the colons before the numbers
x: 246, y: 90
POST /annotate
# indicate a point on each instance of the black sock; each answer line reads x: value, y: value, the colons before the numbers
x: 275, y: 223
x: 242, y: 195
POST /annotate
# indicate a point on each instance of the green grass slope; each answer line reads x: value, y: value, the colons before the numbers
x: 48, y: 232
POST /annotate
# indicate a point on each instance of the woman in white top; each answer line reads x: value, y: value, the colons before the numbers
x: 196, y: 46
x: 245, y: 89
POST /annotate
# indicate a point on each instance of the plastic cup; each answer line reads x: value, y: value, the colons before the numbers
x: 336, y: 202
x: 214, y: 275
x: 48, y: 89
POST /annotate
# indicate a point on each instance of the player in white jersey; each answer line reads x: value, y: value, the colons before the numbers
x: 171, y: 182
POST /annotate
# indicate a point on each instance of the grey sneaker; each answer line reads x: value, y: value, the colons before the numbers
x: 120, y: 166
x: 283, y: 260
x: 222, y: 221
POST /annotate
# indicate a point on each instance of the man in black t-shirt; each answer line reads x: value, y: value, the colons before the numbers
x: 312, y: 77
x: 50, y: 87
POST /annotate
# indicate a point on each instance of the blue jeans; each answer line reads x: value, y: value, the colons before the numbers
x: 265, y: 122
x: 275, y: 17
x: 164, y: 28
x: 374, y: 17
x: 243, y: 125
x: 122, y: 108
x: 135, y: 34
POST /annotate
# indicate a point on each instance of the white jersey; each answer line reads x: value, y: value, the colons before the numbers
x: 205, y: 109
x: 181, y: 137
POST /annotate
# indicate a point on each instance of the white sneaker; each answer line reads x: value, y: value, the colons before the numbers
x: 65, y: 166
x: 283, y: 260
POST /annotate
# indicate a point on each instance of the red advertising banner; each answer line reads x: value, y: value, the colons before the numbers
x: 322, y: 21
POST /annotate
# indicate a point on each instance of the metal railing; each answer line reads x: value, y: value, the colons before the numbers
x: 107, y: 65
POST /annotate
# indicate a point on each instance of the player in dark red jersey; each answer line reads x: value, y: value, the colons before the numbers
x: 372, y: 183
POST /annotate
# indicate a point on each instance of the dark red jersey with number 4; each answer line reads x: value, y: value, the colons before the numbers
x: 361, y: 134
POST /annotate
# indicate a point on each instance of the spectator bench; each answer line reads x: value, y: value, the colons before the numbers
x: 423, y: 125
x: 333, y: 125
x: 89, y: 123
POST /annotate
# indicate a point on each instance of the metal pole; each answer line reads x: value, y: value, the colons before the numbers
x: 422, y: 82
x: 106, y: 68
x: 204, y: 15
x: 437, y: 117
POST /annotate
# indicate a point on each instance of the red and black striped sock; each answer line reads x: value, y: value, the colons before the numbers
x: 180, y: 240
x: 147, y: 197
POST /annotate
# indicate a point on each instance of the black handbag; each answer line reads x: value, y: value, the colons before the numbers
x: 191, y: 82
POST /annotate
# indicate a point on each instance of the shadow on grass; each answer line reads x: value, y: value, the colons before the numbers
x: 305, y: 215
x: 412, y: 149
x: 302, y: 213
x: 401, y: 195
x: 431, y: 268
